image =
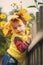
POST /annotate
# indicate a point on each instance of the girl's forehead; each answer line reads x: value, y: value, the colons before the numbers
x: 17, y: 23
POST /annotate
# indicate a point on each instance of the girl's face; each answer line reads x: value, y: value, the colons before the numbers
x: 19, y: 27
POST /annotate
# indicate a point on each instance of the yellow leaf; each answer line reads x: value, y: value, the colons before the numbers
x: 6, y: 29
x: 3, y: 23
x: 23, y: 13
x: 3, y: 15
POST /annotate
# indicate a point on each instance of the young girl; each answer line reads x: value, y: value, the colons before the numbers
x: 20, y: 41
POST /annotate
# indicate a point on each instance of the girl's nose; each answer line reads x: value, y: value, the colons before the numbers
x: 18, y: 29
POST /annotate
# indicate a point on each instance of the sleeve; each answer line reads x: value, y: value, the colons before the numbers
x: 21, y: 46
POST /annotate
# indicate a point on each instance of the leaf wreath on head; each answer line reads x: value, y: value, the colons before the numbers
x: 23, y: 14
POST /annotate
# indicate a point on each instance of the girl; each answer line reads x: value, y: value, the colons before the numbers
x: 20, y: 41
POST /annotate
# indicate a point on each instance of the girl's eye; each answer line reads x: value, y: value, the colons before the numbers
x: 19, y: 25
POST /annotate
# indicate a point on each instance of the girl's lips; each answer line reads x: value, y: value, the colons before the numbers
x: 20, y: 32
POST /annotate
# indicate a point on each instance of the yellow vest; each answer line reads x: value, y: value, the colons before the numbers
x: 14, y: 52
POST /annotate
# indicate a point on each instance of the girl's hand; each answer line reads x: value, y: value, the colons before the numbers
x: 29, y: 39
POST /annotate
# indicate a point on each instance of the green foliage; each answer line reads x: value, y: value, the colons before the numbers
x: 31, y: 21
x: 40, y: 3
x: 35, y: 0
x: 36, y: 4
x: 4, y: 43
x: 32, y: 6
x: 13, y: 11
x: 33, y: 17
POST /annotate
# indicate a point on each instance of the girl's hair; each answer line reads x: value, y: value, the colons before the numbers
x: 17, y: 19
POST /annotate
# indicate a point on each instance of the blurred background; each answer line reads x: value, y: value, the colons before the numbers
x: 8, y: 8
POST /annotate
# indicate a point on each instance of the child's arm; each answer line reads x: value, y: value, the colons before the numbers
x: 29, y: 39
x: 21, y: 46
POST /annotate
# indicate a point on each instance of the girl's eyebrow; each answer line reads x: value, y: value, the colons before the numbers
x: 15, y: 20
